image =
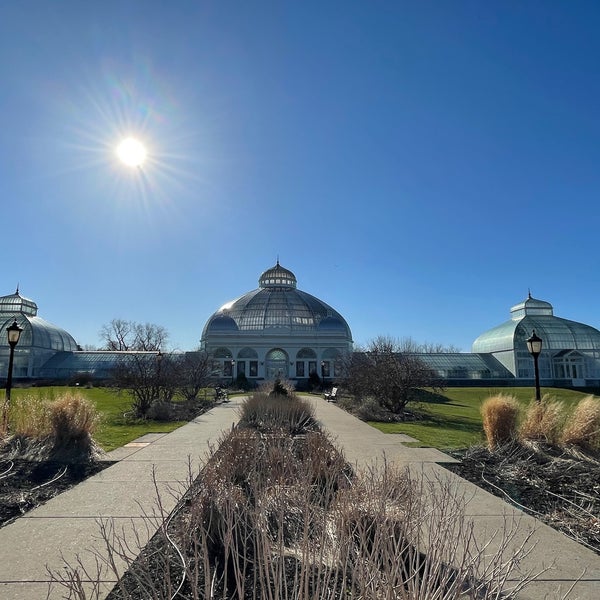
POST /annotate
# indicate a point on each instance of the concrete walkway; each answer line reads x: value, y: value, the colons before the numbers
x: 124, y: 497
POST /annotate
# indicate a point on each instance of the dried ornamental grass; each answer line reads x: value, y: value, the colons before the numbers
x: 583, y: 427
x: 543, y: 421
x: 500, y: 415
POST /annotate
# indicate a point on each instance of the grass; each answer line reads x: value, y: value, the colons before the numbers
x: 453, y: 417
x: 114, y: 430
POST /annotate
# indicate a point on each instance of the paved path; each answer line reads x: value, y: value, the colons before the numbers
x: 125, y: 495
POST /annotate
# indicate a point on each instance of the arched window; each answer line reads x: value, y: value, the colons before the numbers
x: 306, y: 362
x: 276, y: 364
x: 330, y: 363
x: 223, y: 353
x: 223, y: 362
x: 247, y: 362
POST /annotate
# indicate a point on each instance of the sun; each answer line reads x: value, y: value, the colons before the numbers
x: 132, y: 152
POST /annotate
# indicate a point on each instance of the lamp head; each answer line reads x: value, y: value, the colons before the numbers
x: 13, y: 333
x: 534, y: 344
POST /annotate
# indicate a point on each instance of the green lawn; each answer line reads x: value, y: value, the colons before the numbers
x: 453, y: 418
x: 114, y: 430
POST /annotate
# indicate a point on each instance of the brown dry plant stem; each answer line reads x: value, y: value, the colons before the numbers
x: 275, y: 516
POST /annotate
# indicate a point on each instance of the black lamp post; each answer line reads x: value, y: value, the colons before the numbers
x: 13, y: 333
x: 534, y: 345
x: 323, y: 373
x: 232, y: 370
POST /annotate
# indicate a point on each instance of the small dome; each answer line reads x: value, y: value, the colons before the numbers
x: 222, y: 323
x: 531, y: 306
x: 15, y: 303
x: 277, y: 276
x: 332, y: 324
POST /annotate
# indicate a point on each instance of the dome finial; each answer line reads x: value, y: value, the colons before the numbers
x: 278, y: 260
x: 529, y: 293
x: 17, y: 292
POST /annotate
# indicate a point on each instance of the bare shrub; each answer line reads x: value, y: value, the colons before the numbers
x: 543, y: 421
x: 500, y: 414
x: 388, y: 534
x: 371, y: 410
x: 583, y: 426
x: 267, y: 412
x: 282, y: 387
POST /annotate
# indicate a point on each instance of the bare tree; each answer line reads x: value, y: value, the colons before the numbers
x: 386, y: 371
x: 122, y: 335
x: 148, y: 377
x: 407, y: 344
x: 193, y: 372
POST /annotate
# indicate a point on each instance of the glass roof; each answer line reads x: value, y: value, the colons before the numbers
x: 37, y: 333
x: 556, y: 333
x: 15, y: 303
x: 277, y: 304
x: 464, y: 364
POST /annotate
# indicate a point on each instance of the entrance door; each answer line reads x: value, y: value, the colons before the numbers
x: 276, y: 364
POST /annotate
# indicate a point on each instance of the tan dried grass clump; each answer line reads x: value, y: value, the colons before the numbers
x: 543, y: 421
x: 73, y: 420
x: 500, y: 415
x: 53, y: 428
x: 29, y: 416
x: 583, y: 426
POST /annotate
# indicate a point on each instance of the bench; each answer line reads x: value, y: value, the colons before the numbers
x: 330, y: 396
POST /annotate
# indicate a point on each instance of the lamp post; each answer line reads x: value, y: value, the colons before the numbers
x: 534, y: 345
x: 13, y: 333
x: 232, y: 370
x: 159, y: 359
x: 323, y: 374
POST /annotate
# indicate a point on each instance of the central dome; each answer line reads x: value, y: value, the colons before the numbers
x: 276, y: 305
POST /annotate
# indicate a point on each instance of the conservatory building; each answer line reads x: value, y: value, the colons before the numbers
x: 570, y: 353
x: 275, y: 331
x: 39, y: 340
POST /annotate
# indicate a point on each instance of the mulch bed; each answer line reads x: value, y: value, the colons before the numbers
x: 559, y: 486
x: 25, y: 484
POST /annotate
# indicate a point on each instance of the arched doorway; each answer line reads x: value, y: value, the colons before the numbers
x: 276, y: 364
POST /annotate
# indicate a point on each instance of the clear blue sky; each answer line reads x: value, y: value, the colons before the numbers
x: 417, y: 165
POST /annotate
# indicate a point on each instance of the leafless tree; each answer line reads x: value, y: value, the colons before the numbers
x: 407, y: 344
x: 388, y: 371
x: 122, y: 335
x: 148, y: 377
x: 193, y: 371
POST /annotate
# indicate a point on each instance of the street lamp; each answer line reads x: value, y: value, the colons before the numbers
x: 232, y: 369
x: 534, y: 345
x: 323, y: 374
x: 13, y: 333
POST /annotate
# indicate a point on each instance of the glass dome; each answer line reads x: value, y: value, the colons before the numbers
x: 277, y: 305
x: 556, y: 333
x: 37, y: 333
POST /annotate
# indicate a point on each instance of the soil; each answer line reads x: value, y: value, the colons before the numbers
x: 25, y: 484
x: 559, y: 486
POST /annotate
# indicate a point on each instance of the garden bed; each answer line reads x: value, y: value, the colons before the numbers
x: 26, y: 484
x: 559, y: 486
